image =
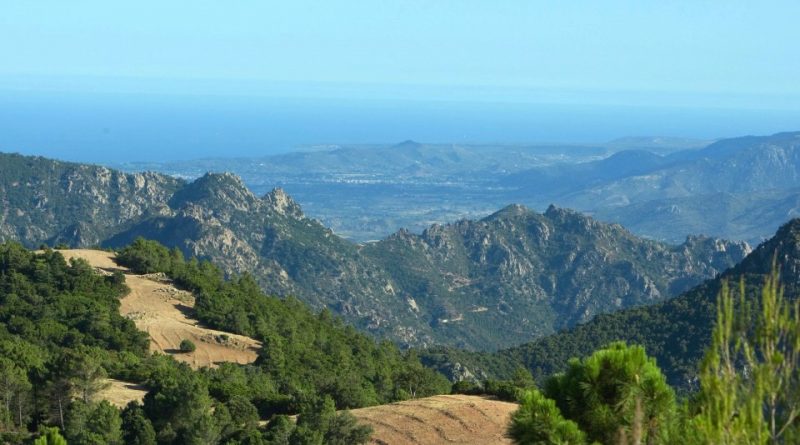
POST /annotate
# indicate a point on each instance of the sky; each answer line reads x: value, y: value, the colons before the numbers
x: 102, y: 81
x: 699, y: 46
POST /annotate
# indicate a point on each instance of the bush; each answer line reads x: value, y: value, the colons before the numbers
x: 187, y: 346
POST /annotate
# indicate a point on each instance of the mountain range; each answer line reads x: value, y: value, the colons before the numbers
x: 509, y: 278
x: 738, y: 188
x: 675, y: 332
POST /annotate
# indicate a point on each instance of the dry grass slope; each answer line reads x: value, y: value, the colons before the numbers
x: 444, y: 419
x: 164, y: 312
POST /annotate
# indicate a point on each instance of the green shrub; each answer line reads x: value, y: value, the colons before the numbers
x: 187, y: 345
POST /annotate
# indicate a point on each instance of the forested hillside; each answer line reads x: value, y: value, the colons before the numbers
x: 61, y: 335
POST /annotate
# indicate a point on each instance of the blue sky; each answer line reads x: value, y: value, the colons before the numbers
x: 712, y: 48
x: 98, y: 81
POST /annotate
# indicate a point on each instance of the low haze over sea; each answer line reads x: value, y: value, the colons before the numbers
x: 127, y: 126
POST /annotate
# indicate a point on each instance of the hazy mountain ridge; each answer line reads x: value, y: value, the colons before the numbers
x: 503, y: 280
x: 661, y: 188
x: 736, y: 187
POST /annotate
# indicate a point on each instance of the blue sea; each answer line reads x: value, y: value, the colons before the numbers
x: 109, y: 127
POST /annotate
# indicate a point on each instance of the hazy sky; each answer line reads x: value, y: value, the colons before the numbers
x: 668, y: 46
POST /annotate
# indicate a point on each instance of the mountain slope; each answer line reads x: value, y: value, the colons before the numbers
x: 47, y: 201
x: 675, y: 332
x: 528, y: 274
x: 506, y: 279
x: 669, y: 196
x: 739, y: 165
x: 160, y: 309
x: 511, y: 277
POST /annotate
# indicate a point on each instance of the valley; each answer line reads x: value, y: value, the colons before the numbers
x: 659, y: 188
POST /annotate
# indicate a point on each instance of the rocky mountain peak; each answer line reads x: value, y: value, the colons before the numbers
x: 407, y: 144
x: 216, y: 191
x: 783, y: 248
x: 511, y: 211
x: 554, y: 212
x: 280, y: 202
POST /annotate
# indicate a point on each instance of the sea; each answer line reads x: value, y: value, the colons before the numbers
x: 127, y: 127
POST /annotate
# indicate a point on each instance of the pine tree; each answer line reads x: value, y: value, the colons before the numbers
x: 616, y: 394
x: 137, y: 428
x: 750, y: 376
x: 50, y: 436
x: 539, y: 422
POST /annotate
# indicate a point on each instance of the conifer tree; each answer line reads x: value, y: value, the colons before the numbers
x: 750, y: 376
x: 538, y: 421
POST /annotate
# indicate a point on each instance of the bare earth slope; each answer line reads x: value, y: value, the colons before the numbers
x: 444, y: 419
x: 164, y: 312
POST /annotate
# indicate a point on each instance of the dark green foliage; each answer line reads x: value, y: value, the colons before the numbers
x: 617, y: 395
x: 616, y: 392
x: 279, y: 430
x: 145, y: 256
x: 302, y: 353
x: 179, y: 405
x: 538, y: 421
x: 320, y: 424
x: 60, y: 334
x: 187, y: 346
x: 137, y: 428
x: 93, y: 424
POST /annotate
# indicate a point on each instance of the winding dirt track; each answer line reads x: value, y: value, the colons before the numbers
x: 444, y: 419
x: 164, y: 312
